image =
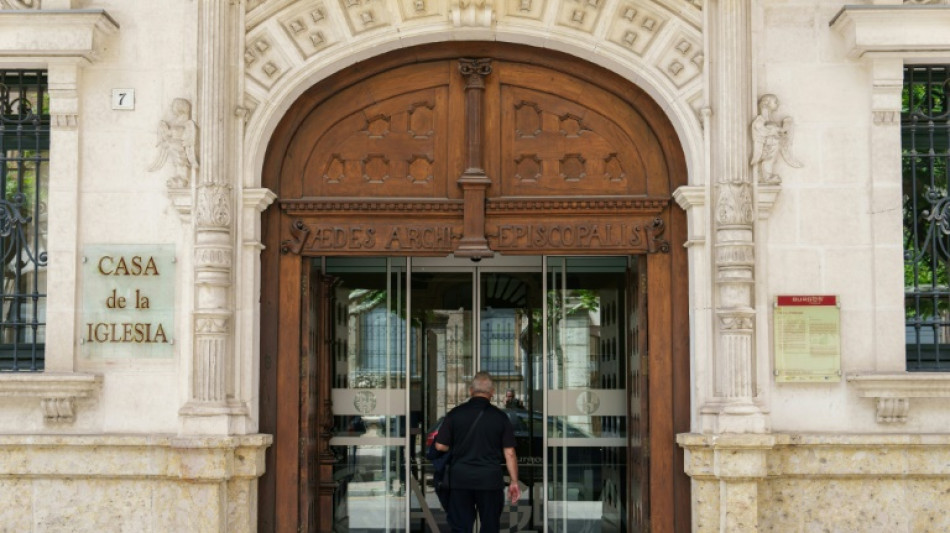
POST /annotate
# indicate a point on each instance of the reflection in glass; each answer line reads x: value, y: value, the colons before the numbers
x: 442, y: 365
x: 586, y: 421
x: 368, y: 341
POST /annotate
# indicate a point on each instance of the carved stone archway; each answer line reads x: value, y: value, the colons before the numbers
x: 474, y: 146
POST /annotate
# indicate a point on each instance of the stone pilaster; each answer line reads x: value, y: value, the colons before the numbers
x: 212, y: 402
x: 62, y: 244
x: 734, y: 215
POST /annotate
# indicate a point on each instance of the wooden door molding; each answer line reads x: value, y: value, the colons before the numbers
x: 386, y: 158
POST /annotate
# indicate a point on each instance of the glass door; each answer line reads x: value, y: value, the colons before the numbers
x: 368, y: 349
x: 586, y: 394
x: 407, y: 336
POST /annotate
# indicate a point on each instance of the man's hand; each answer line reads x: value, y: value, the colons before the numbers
x: 511, y: 462
x: 514, y: 492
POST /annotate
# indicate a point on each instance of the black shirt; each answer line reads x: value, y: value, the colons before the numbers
x: 479, y: 465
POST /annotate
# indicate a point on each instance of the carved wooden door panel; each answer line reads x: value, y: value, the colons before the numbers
x: 638, y: 448
x: 315, y: 347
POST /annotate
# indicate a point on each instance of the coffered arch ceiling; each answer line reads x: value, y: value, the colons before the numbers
x: 291, y: 45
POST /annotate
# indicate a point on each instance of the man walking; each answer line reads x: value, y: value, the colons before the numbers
x: 477, y: 482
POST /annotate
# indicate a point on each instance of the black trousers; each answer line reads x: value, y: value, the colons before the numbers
x: 463, y: 504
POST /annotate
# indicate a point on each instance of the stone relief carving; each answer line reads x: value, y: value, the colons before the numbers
x: 892, y: 410
x: 363, y: 15
x: 580, y: 14
x: 927, y: 2
x: 636, y: 27
x: 58, y: 409
x: 177, y: 144
x: 19, y: 4
x: 308, y: 28
x: 770, y: 139
x: 735, y: 204
x: 214, y: 206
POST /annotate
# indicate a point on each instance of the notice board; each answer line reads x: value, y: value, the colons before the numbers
x: 807, y: 334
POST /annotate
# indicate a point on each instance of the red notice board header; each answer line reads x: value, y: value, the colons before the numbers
x: 806, y: 300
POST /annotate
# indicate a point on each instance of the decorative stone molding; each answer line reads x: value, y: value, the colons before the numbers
x: 255, y: 202
x: 57, y: 392
x: 766, y: 196
x: 871, y: 29
x: 65, y: 121
x: 892, y: 391
x: 182, y: 200
x: 475, y: 13
x: 888, y: 117
x: 693, y: 200
x: 283, y: 38
x: 61, y: 33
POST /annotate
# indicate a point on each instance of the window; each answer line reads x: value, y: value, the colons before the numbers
x: 25, y: 136
x: 925, y: 124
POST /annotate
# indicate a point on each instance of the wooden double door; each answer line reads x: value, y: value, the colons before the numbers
x: 472, y: 154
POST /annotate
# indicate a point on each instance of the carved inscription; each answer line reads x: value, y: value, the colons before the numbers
x: 611, y: 235
x: 379, y: 238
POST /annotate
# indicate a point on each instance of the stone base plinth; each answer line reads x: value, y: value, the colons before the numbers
x: 796, y: 483
x: 147, y: 483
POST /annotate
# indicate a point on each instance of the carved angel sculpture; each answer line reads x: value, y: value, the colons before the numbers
x: 177, y: 142
x: 770, y: 139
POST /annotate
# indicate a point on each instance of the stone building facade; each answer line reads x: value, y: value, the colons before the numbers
x: 788, y: 117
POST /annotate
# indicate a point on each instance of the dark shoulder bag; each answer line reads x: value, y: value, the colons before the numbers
x: 457, y: 452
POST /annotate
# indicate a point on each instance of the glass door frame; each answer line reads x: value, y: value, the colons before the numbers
x: 539, y: 264
x: 526, y: 263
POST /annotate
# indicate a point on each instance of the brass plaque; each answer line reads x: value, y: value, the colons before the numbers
x: 807, y: 335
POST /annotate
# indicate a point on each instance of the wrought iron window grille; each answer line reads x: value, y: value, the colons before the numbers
x: 24, y: 160
x: 925, y: 125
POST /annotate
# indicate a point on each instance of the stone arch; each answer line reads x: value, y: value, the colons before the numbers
x: 281, y: 262
x: 290, y: 46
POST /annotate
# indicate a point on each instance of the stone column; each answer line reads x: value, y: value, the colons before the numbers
x: 732, y: 102
x: 212, y: 402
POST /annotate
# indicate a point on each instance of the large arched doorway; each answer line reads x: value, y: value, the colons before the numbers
x: 473, y: 206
